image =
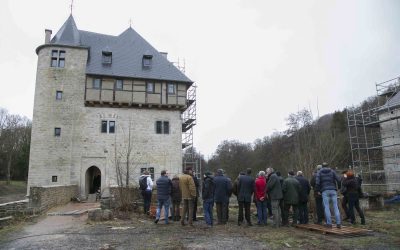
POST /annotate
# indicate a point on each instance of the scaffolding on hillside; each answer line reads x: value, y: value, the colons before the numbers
x: 372, y: 130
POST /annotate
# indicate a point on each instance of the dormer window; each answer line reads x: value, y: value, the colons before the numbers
x: 107, y: 57
x: 147, y: 61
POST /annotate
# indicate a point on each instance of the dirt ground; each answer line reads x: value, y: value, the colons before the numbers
x: 140, y: 232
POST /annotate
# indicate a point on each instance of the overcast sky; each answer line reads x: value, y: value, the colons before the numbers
x: 254, y: 62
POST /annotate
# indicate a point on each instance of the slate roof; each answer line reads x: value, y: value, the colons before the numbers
x: 127, y: 53
x: 392, y: 103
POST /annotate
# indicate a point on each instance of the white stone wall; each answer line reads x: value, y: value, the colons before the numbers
x: 81, y: 144
x: 390, y: 137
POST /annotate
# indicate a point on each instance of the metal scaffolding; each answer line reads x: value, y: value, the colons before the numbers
x: 190, y: 157
x: 373, y: 128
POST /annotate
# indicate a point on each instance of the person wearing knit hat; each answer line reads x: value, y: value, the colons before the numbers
x: 207, y: 193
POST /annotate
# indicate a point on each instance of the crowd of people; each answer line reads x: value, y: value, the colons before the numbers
x: 273, y: 195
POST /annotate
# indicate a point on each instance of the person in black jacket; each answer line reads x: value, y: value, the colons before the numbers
x: 195, y: 200
x: 351, y: 185
x: 303, y: 199
x: 222, y: 191
x: 319, y: 207
x: 245, y: 192
x: 207, y: 193
x: 164, y: 188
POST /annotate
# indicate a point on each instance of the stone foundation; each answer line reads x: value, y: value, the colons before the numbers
x: 15, y: 208
x: 44, y: 198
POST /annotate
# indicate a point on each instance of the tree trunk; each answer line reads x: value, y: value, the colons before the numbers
x: 9, y: 170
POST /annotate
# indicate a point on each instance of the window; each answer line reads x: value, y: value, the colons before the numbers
x: 171, y: 88
x: 107, y: 57
x: 151, y: 171
x: 57, y: 131
x: 111, y: 127
x: 108, y: 127
x: 97, y: 83
x: 58, y: 58
x: 54, y: 178
x: 147, y: 61
x: 119, y: 85
x: 150, y: 87
x: 59, y: 95
x: 159, y: 127
x: 166, y: 127
x: 162, y: 127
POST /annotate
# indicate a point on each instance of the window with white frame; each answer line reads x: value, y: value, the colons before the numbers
x: 150, y: 88
x: 171, y: 88
x: 119, y: 84
x: 58, y: 58
x: 107, y: 127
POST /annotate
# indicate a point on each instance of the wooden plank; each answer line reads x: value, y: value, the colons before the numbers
x: 344, y: 231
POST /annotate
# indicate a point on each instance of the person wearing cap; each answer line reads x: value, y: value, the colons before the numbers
x: 188, y: 190
x: 222, y: 191
x: 319, y: 207
x: 326, y: 184
x: 303, y: 199
x: 291, y: 193
x: 207, y: 192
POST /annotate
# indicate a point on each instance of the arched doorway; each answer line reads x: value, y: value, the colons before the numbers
x: 93, y: 180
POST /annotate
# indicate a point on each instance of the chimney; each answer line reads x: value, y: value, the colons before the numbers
x: 164, y: 54
x: 48, y: 36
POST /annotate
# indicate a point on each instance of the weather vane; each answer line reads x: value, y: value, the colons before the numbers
x: 130, y: 23
x: 72, y: 5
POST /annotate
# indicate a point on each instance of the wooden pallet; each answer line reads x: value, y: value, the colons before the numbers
x: 345, y: 231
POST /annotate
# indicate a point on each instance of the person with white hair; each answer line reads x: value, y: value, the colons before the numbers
x: 261, y: 198
x: 303, y: 199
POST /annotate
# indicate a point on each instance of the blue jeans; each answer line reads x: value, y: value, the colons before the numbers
x: 262, y: 212
x: 208, y: 211
x: 328, y: 195
x: 161, y: 203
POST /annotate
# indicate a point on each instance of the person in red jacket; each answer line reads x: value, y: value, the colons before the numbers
x: 261, y: 199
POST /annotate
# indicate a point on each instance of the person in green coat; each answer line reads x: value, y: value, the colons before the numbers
x: 291, y: 193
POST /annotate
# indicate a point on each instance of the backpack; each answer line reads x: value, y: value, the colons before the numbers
x: 143, y: 183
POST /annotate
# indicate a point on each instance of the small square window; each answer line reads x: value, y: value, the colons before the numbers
x: 147, y: 61
x: 171, y: 88
x: 108, y: 127
x: 59, y: 95
x: 96, y: 83
x: 57, y: 131
x: 54, y: 178
x: 119, y: 85
x: 57, y: 58
x: 150, y: 87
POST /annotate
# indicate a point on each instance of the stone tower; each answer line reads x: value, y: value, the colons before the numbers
x: 103, y: 102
